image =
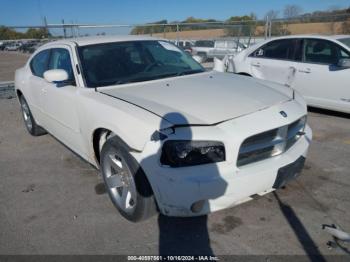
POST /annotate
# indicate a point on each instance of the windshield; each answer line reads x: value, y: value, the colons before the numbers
x: 345, y: 41
x: 135, y: 61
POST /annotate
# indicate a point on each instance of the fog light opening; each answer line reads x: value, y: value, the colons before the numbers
x: 197, y: 206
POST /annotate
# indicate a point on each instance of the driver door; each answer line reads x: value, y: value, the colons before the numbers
x: 60, y: 103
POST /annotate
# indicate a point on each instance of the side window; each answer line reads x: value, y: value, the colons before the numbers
x: 298, y: 51
x: 38, y: 65
x: 60, y: 59
x: 134, y: 55
x: 278, y: 49
x: 321, y: 52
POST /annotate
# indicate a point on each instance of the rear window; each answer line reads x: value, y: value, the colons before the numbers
x: 204, y: 43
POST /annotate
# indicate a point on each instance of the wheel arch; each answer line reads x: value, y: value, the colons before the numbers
x: 244, y: 74
x: 19, y: 93
x: 97, y: 139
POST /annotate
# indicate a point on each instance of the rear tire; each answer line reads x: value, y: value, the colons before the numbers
x: 33, y: 128
x: 126, y: 183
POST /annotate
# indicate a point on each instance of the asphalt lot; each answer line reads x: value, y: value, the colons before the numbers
x: 52, y: 202
x: 9, y: 62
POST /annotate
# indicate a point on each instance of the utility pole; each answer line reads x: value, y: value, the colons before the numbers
x: 177, y: 32
x: 78, y: 29
x: 64, y: 29
x: 72, y: 29
x: 266, y: 26
x: 46, y: 28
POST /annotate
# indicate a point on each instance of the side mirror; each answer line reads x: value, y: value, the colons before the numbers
x: 344, y: 63
x: 56, y: 76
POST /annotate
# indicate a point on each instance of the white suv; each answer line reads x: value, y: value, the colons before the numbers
x: 316, y: 66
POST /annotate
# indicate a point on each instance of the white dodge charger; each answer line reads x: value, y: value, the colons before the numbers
x: 167, y: 135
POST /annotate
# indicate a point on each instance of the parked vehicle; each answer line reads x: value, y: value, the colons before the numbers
x: 12, y: 47
x: 28, y: 47
x: 316, y: 66
x: 186, y: 45
x: 225, y: 47
x: 201, y: 48
x: 2, y: 46
x: 166, y: 134
x: 33, y: 48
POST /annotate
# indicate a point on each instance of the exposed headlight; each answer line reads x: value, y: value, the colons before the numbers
x: 180, y: 153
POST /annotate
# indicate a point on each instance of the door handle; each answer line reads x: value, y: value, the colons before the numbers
x: 257, y: 64
x: 306, y: 71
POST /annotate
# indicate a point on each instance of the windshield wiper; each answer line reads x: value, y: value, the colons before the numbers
x: 189, y: 72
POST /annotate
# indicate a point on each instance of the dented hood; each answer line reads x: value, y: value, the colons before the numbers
x: 203, y: 99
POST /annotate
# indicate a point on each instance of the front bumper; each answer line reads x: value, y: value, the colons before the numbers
x: 213, y: 187
x: 289, y: 172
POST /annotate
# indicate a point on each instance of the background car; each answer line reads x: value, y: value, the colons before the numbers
x: 186, y: 45
x: 225, y: 47
x: 316, y: 66
x: 201, y: 48
x: 2, y: 46
x: 13, y: 47
x: 28, y: 47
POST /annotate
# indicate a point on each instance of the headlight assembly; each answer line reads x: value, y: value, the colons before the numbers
x: 180, y: 153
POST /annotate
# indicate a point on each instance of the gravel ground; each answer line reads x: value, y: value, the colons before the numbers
x: 9, y: 62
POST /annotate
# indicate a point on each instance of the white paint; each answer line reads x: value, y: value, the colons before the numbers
x: 55, y: 75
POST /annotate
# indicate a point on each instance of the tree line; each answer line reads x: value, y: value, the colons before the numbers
x: 236, y: 25
x: 31, y: 33
x: 246, y: 24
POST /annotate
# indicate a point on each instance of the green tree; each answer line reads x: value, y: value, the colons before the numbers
x: 241, y: 25
x: 9, y: 34
x: 37, y: 33
x: 32, y: 33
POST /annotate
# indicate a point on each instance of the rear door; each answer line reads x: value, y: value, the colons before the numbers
x: 276, y: 61
x: 319, y: 78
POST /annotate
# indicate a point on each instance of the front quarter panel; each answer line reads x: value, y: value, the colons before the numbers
x: 134, y: 125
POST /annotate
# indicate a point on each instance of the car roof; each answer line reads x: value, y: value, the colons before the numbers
x: 91, y: 40
x: 332, y: 37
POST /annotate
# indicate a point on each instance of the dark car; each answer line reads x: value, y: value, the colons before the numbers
x: 27, y: 47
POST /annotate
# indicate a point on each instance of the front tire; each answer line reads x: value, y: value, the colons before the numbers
x: 126, y: 183
x: 33, y: 128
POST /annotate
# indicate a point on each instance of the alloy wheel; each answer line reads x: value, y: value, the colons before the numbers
x: 26, y: 115
x: 120, y: 181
